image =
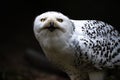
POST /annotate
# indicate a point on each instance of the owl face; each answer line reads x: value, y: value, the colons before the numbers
x: 52, y: 24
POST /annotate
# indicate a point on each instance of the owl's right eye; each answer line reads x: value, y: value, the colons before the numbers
x: 42, y: 19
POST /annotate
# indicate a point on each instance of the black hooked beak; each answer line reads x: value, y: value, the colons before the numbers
x: 51, y: 26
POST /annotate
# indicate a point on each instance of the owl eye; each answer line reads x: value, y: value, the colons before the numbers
x: 42, y: 19
x: 59, y: 20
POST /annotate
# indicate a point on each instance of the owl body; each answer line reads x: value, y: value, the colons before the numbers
x: 81, y: 48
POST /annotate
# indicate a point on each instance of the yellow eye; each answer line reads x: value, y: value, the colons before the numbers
x: 59, y: 19
x: 42, y: 19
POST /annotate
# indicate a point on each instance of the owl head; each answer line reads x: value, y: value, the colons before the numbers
x: 52, y: 24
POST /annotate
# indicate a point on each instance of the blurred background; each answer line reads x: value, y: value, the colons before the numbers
x: 18, y: 44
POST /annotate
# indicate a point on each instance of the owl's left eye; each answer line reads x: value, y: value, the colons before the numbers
x: 59, y: 20
x: 42, y: 19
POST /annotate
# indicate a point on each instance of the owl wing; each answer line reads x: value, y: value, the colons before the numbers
x: 97, y: 42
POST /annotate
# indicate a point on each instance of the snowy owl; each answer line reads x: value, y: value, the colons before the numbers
x: 81, y: 48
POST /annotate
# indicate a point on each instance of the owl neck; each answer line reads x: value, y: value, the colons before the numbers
x: 54, y: 43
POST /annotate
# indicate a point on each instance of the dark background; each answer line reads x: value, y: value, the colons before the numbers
x: 16, y: 29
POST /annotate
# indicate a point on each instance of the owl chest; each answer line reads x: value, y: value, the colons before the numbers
x: 67, y: 61
x: 62, y: 55
x: 61, y: 58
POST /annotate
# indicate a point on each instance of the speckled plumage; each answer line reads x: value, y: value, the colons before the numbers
x: 81, y: 48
